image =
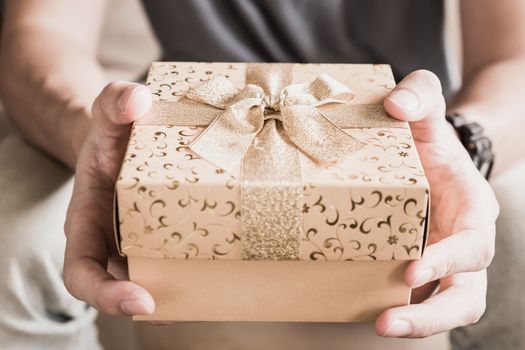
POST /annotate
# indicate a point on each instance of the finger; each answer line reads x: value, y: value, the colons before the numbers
x: 86, y: 267
x: 450, y: 256
x: 418, y: 99
x: 120, y: 103
x: 87, y: 280
x: 462, y: 302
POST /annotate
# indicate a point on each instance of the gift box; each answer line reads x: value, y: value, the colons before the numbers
x: 270, y: 192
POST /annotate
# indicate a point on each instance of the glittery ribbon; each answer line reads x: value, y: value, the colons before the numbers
x: 265, y: 125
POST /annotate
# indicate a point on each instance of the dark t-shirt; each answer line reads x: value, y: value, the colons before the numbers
x: 408, y: 34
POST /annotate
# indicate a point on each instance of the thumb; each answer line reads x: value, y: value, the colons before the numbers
x: 118, y: 105
x: 418, y: 99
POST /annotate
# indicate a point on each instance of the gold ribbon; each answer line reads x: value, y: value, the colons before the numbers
x: 265, y: 124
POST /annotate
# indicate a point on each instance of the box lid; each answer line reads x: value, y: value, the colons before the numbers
x: 173, y: 204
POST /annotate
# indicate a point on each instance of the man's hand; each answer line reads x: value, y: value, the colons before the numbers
x: 90, y: 250
x: 462, y: 226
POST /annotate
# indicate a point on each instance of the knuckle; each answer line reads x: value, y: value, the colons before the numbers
x: 475, y: 313
x: 67, y: 225
x: 98, y: 299
x: 484, y: 253
x: 487, y: 255
x: 448, y: 267
x: 442, y: 106
x: 71, y: 216
x: 490, y: 199
x: 99, y: 303
x: 68, y: 280
x: 105, y: 101
x: 492, y: 202
x: 496, y: 207
x: 495, y: 204
x: 432, y: 328
x: 111, y: 88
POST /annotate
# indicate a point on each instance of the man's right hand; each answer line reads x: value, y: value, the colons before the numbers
x: 92, y: 270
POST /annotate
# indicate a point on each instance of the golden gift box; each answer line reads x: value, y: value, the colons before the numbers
x: 270, y: 192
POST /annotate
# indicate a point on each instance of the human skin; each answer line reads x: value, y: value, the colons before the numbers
x: 45, y: 42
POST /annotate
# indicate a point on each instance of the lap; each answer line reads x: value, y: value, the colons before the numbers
x: 37, y: 310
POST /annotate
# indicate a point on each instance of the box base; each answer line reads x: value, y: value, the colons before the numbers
x: 278, y: 291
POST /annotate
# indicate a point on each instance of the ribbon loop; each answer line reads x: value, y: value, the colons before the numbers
x: 317, y: 136
x: 217, y: 92
x: 322, y: 90
x: 266, y: 96
x: 327, y: 89
x: 228, y: 137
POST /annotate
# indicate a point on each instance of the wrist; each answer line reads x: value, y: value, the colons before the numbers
x: 473, y: 139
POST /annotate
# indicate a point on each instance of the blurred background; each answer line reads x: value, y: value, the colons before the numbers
x: 128, y: 45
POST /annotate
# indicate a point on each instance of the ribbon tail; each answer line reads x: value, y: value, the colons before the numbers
x: 271, y: 197
x: 323, y: 141
x: 224, y: 142
x: 347, y: 116
x: 182, y: 112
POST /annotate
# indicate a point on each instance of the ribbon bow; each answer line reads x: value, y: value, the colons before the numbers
x: 266, y: 99
x: 265, y: 124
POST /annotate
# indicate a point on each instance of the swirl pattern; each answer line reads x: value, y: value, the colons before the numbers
x: 173, y: 204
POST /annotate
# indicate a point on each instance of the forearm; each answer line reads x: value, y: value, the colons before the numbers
x: 493, y: 93
x: 493, y: 96
x: 49, y: 71
x: 47, y: 90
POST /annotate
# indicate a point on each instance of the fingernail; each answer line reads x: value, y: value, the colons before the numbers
x: 405, y: 99
x: 126, y: 99
x: 398, y: 328
x: 142, y: 94
x: 134, y: 307
x: 423, y: 277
